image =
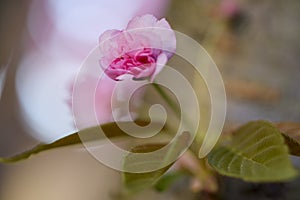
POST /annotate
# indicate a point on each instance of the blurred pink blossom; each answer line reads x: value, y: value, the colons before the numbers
x: 141, y: 50
x: 229, y: 8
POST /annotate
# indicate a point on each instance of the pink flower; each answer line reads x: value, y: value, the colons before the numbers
x: 229, y: 8
x: 141, y: 50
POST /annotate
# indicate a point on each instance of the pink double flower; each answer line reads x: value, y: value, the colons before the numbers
x: 141, y: 50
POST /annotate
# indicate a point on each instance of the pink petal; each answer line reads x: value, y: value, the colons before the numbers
x: 141, y: 22
x: 146, y: 72
x: 162, y: 59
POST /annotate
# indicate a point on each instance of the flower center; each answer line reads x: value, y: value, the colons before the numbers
x: 139, y: 63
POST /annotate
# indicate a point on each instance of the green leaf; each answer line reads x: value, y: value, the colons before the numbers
x: 256, y: 153
x: 168, y: 179
x: 136, y: 182
x: 291, y: 134
x: 111, y: 130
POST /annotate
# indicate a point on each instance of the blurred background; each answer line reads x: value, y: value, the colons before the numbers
x: 254, y: 43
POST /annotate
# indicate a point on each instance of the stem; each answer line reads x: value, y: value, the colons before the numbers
x: 176, y: 110
x: 168, y: 100
x: 194, y: 146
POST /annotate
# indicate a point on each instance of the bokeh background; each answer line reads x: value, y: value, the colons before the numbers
x: 254, y: 43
